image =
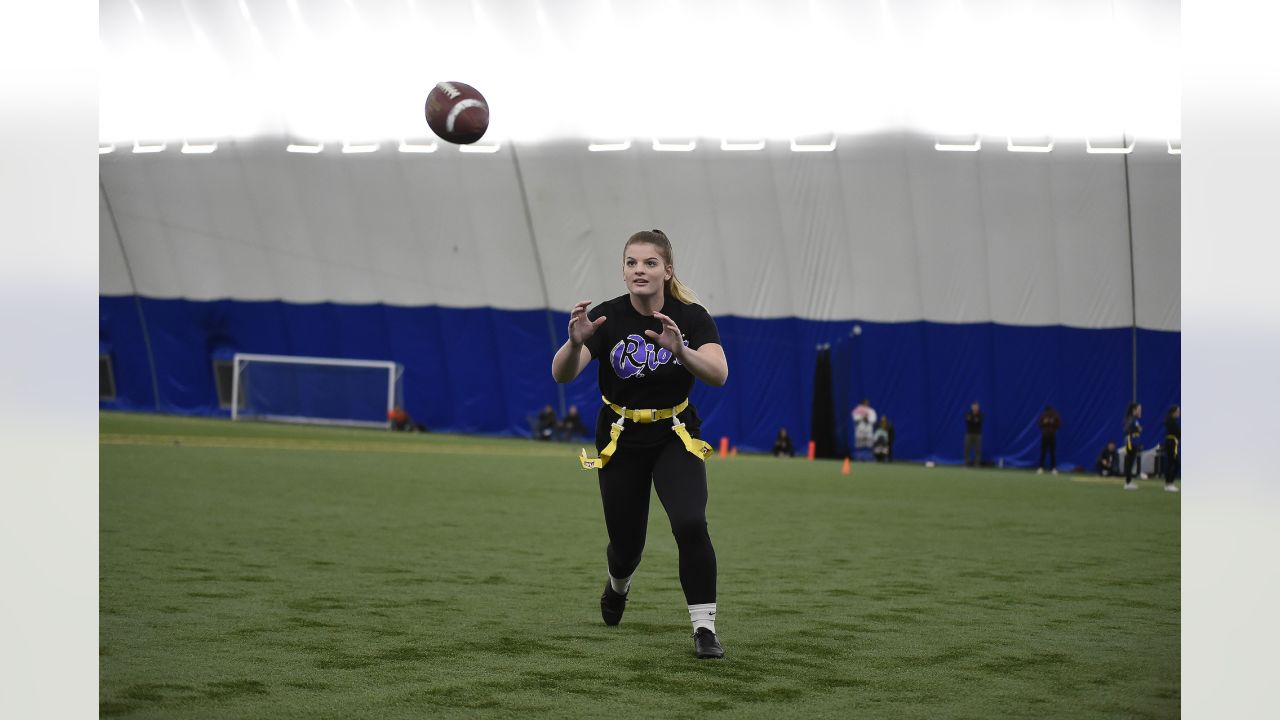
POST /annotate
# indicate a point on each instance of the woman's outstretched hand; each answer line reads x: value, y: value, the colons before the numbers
x: 670, y: 337
x: 580, y: 328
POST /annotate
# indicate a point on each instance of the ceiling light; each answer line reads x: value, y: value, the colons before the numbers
x: 957, y: 143
x: 408, y: 147
x: 806, y: 147
x: 1043, y: 148
x: 674, y: 147
x: 1106, y: 150
x: 610, y: 147
x: 359, y: 148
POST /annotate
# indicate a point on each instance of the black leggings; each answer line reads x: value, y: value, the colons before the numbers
x: 1049, y: 444
x: 1131, y: 455
x: 681, y: 482
x: 1170, y: 460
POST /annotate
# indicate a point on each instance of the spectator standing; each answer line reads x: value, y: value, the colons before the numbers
x: 880, y: 442
x: 864, y: 424
x: 973, y: 435
x: 892, y: 433
x: 1050, y: 421
x: 1172, y: 436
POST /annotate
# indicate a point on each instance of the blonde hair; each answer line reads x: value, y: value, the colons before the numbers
x: 673, y: 287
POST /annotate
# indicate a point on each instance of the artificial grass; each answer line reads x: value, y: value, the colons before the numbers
x: 253, y: 570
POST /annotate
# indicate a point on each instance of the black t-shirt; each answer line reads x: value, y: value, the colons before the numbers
x: 1132, y: 428
x: 973, y: 422
x: 637, y: 374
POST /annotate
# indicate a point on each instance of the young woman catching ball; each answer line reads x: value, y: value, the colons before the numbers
x: 651, y: 343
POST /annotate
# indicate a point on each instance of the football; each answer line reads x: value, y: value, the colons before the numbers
x: 457, y: 112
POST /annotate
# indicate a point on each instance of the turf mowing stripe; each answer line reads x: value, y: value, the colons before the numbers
x: 251, y: 443
x: 246, y: 443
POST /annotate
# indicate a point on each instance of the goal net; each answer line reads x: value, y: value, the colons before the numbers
x: 327, y: 391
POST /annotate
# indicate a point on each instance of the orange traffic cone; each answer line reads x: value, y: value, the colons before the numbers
x: 845, y: 469
x: 724, y: 447
x: 733, y: 451
x: 813, y: 449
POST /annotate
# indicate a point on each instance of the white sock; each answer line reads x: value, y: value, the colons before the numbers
x: 621, y: 586
x: 703, y: 615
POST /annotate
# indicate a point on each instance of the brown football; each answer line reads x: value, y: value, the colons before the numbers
x: 457, y: 112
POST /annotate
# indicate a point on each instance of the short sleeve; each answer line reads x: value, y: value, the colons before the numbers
x: 702, y: 328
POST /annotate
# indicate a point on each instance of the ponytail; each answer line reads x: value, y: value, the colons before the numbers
x: 673, y: 287
x: 679, y: 290
x: 1128, y: 414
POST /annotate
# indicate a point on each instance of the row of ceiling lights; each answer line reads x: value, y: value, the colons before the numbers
x: 1174, y: 147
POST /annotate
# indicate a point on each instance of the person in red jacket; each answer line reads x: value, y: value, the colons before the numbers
x: 402, y: 421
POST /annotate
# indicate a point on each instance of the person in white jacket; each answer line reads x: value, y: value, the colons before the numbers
x: 864, y: 425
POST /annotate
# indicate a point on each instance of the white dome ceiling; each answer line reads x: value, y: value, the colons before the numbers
x: 598, y: 70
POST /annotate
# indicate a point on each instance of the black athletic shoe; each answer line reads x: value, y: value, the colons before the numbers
x: 612, y: 603
x: 705, y: 644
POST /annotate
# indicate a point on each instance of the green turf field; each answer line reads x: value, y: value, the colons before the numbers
x: 269, y: 571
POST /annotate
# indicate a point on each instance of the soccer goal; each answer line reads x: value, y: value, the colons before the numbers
x: 324, y: 391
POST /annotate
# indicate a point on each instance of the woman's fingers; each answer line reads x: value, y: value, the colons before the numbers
x: 668, y: 323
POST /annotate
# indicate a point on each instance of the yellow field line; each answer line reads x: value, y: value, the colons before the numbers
x: 249, y: 443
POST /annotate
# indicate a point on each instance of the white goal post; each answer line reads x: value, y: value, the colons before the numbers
x: 315, y: 390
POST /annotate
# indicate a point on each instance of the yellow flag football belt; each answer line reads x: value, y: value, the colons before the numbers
x: 698, y: 448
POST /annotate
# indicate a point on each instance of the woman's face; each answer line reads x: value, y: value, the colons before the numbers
x: 1137, y: 412
x: 644, y: 270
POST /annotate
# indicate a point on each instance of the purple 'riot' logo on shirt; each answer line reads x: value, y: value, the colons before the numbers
x: 632, y: 355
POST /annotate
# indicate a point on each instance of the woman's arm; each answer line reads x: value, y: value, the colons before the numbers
x: 574, y: 355
x: 707, y: 363
x: 569, y: 362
